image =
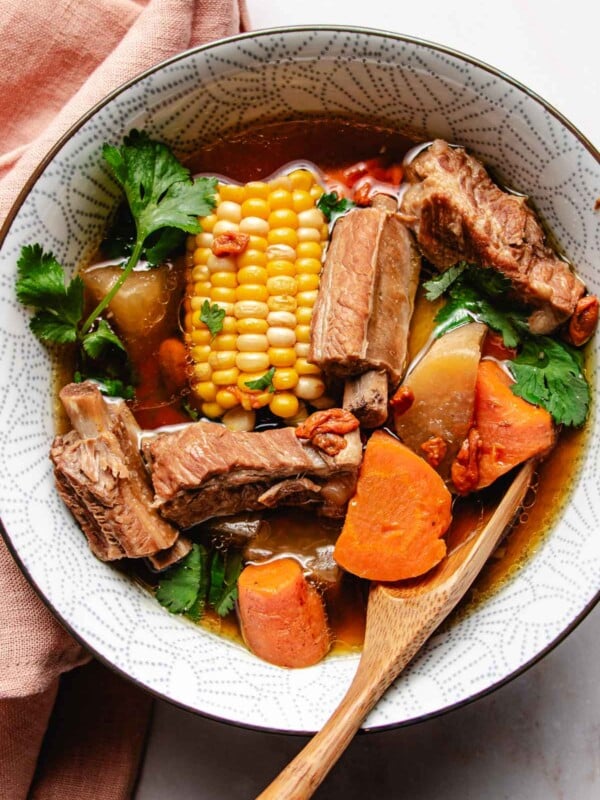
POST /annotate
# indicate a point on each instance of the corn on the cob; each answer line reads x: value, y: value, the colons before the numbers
x: 267, y: 292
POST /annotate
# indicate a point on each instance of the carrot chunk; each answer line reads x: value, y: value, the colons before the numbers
x: 511, y: 430
x: 282, y: 616
x: 172, y: 361
x: 396, y: 518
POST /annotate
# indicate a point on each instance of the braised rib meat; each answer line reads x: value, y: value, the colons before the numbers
x: 205, y: 470
x: 101, y: 477
x: 458, y: 213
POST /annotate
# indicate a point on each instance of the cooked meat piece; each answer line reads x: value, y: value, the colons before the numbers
x: 291, y: 492
x: 101, y: 477
x: 366, y: 396
x: 362, y: 314
x: 458, y: 213
x: 166, y: 558
x: 205, y: 470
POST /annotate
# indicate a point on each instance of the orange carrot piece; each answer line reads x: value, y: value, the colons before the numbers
x: 172, y: 360
x: 282, y: 616
x: 511, y: 430
x: 396, y: 518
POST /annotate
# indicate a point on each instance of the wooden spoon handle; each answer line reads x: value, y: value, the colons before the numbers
x: 307, y: 770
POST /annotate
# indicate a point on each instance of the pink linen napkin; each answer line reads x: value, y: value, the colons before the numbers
x: 57, y: 59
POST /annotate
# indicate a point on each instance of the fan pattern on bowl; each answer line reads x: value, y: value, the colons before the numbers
x: 191, y: 100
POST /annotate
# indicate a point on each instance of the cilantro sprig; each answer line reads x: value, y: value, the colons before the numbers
x: 548, y: 372
x: 212, y: 317
x: 264, y: 382
x: 199, y: 579
x: 164, y: 204
x: 333, y: 206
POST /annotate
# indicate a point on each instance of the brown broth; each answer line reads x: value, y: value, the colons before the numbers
x: 334, y: 145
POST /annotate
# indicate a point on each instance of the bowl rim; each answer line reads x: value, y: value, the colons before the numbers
x: 55, y: 149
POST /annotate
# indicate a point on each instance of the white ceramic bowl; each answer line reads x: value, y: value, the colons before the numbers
x: 192, y: 99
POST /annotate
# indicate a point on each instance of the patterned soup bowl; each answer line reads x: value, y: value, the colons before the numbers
x: 193, y: 99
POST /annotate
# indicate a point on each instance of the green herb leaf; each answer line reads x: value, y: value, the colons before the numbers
x: 95, y: 343
x: 264, y: 382
x: 439, y: 284
x: 333, y: 206
x: 196, y: 610
x: 111, y: 387
x: 212, y: 317
x: 41, y: 284
x: 549, y: 373
x: 189, y: 409
x: 179, y: 586
x: 224, y: 573
x: 158, y: 188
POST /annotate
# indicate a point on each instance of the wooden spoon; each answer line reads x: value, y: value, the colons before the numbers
x: 400, y: 618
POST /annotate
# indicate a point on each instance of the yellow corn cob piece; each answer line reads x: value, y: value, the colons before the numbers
x: 267, y: 292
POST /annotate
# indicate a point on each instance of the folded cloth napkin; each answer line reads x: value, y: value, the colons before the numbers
x: 79, y: 735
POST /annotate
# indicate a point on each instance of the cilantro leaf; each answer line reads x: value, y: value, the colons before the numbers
x: 549, y: 373
x: 196, y: 610
x: 96, y: 342
x: 264, y: 382
x: 436, y: 287
x: 41, y: 283
x: 189, y: 409
x: 179, y: 586
x: 333, y: 206
x: 111, y: 387
x: 224, y: 573
x: 212, y: 317
x: 158, y: 188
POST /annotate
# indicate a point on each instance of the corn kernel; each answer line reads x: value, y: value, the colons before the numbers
x: 251, y: 362
x: 251, y: 308
x: 258, y: 189
x: 252, y: 342
x: 229, y: 324
x: 224, y: 341
x: 239, y: 419
x: 284, y: 252
x: 208, y: 222
x: 304, y: 315
x: 324, y: 232
x: 221, y: 294
x: 303, y: 333
x: 226, y: 377
x: 309, y: 250
x: 285, y: 378
x: 304, y: 367
x: 281, y: 302
x: 222, y: 359
x: 309, y: 387
x: 302, y: 349
x: 252, y: 274
x: 227, y: 399
x: 280, y: 267
x: 284, y: 404
x: 301, y: 200
x: 206, y: 390
x: 200, y: 336
x: 212, y: 410
x: 200, y: 352
x: 201, y: 371
x: 257, y: 242
x: 226, y: 280
x: 283, y: 218
x: 254, y: 226
x: 229, y: 210
x: 307, y: 283
x: 233, y: 192
x: 282, y: 284
x: 201, y: 255
x: 197, y: 302
x: 282, y: 356
x: 200, y: 273
x: 299, y: 417
x: 308, y: 235
x: 324, y: 402
x: 225, y: 226
x: 252, y: 291
x: 283, y: 236
x: 280, y: 198
x: 311, y: 218
x: 284, y: 319
x: 301, y: 179
x: 316, y: 191
x: 221, y: 264
x: 250, y: 257
x: 252, y: 325
x: 307, y: 298
x: 280, y: 336
x: 245, y: 378
x: 281, y: 182
x: 256, y: 207
x: 204, y: 239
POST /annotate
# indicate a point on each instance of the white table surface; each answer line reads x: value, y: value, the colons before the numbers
x: 538, y: 737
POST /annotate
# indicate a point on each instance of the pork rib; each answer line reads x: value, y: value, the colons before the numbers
x: 205, y: 470
x: 101, y: 477
x: 458, y: 213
